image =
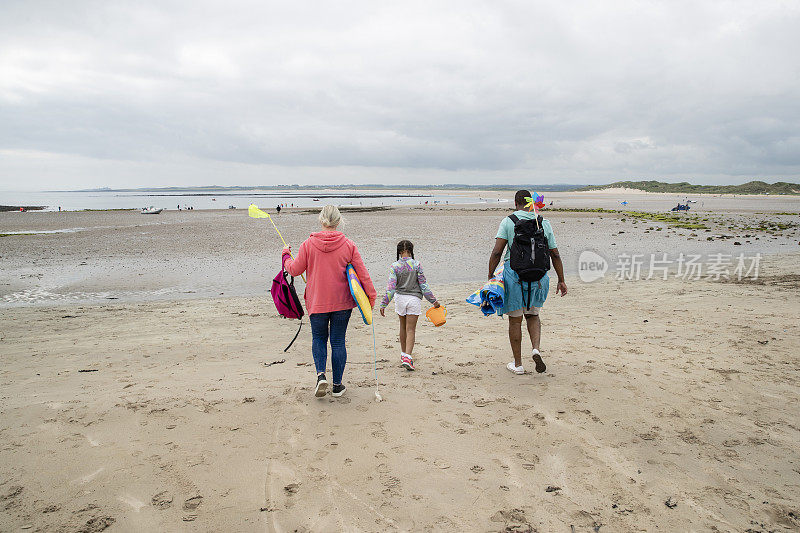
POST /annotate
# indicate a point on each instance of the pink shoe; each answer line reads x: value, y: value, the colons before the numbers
x: 407, y: 363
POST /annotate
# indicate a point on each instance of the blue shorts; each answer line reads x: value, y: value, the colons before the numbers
x: 516, y: 292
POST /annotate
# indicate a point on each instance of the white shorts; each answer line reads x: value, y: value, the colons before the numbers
x: 529, y: 311
x: 405, y: 304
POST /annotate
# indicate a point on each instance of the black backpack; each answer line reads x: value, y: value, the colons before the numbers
x: 530, y: 254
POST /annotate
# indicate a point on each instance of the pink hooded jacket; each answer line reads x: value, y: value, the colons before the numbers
x: 324, y: 256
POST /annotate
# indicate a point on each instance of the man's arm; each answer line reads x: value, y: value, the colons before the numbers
x: 496, y: 255
x: 559, y: 267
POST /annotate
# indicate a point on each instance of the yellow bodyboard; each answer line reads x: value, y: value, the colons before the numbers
x: 362, y: 301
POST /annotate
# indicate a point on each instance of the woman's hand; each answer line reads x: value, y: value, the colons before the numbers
x: 436, y: 304
x: 383, y: 311
x: 287, y: 250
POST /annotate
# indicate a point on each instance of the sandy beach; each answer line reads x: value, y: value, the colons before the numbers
x: 146, y: 382
x: 668, y: 405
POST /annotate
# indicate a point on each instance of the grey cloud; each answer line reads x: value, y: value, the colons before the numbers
x: 580, y: 91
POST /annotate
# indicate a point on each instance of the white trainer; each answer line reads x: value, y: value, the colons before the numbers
x: 515, y: 369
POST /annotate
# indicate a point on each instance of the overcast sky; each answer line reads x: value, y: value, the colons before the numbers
x: 129, y: 94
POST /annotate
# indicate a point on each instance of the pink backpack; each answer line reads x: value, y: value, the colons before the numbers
x: 285, y: 298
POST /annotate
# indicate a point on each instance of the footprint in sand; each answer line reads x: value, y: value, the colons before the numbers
x: 512, y: 517
x: 464, y: 418
x: 537, y: 420
x: 392, y: 485
x: 162, y: 500
x: 653, y: 434
x: 343, y: 400
x: 380, y: 434
x: 192, y: 503
x: 96, y: 524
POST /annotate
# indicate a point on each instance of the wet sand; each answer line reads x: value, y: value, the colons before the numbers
x: 126, y: 256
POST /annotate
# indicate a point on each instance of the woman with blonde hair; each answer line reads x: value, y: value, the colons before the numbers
x: 324, y: 257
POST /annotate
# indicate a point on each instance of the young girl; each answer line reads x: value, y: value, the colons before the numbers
x: 408, y: 281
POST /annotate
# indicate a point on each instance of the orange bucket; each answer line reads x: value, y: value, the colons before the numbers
x: 436, y: 315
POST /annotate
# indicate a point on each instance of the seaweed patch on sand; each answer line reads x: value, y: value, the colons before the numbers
x: 25, y: 207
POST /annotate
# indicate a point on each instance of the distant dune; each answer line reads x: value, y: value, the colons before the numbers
x: 752, y: 187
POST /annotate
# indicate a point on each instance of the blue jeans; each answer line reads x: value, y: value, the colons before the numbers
x: 319, y: 341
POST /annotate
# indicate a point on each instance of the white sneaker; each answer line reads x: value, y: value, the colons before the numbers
x: 322, y: 386
x: 515, y: 369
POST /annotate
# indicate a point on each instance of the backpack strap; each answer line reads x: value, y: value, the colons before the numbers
x: 526, y: 302
x: 514, y: 218
x: 295, y: 337
x: 530, y: 295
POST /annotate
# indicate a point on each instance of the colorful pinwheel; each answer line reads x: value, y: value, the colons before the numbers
x: 537, y: 202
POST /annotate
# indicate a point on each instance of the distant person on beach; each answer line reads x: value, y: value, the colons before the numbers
x: 521, y: 297
x: 408, y: 282
x: 278, y: 209
x: 324, y: 257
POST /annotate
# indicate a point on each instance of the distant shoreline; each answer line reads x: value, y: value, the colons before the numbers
x: 328, y: 191
x: 209, y: 189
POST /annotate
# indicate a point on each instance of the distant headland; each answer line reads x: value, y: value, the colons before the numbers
x: 684, y: 187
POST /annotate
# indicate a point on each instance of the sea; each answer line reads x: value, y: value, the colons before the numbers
x: 226, y: 198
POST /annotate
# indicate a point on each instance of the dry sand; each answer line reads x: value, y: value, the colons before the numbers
x: 164, y: 416
x: 655, y: 391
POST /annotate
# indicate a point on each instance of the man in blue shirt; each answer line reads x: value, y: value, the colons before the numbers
x: 517, y: 293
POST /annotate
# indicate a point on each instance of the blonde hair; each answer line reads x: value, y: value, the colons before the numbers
x: 330, y: 217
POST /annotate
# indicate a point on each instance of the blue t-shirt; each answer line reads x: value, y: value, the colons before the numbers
x: 506, y: 231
